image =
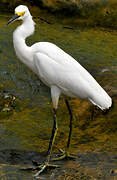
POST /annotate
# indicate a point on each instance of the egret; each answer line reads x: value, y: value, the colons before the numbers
x: 59, y: 71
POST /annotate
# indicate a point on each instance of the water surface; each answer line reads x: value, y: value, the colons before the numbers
x: 27, y: 126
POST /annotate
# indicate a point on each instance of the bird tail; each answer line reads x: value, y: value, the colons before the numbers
x: 103, y: 101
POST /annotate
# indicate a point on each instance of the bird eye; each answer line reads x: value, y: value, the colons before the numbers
x: 20, y: 13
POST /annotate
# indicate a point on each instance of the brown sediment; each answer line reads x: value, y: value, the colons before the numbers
x: 26, y: 128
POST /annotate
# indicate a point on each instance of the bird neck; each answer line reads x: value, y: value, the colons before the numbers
x: 23, y: 51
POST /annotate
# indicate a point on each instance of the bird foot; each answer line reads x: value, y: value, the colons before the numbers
x: 39, y: 167
x: 64, y: 155
x: 43, y: 167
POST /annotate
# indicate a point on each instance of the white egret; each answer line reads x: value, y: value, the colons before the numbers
x: 58, y: 70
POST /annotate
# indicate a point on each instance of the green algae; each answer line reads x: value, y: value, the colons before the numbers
x: 28, y: 125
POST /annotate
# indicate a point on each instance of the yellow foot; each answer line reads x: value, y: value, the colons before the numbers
x: 64, y: 155
x: 43, y: 168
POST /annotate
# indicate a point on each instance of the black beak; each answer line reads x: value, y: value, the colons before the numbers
x: 13, y: 19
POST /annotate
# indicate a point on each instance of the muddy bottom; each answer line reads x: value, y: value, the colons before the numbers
x: 86, y: 166
x: 26, y: 110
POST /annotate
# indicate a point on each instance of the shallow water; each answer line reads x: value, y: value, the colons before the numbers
x: 27, y: 125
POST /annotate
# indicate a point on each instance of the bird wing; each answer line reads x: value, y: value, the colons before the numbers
x: 65, y: 60
x: 62, y: 58
x: 54, y: 73
x: 54, y: 52
x: 73, y: 81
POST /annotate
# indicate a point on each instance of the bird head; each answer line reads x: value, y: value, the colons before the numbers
x: 21, y: 12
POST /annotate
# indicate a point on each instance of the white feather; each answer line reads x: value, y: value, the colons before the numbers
x: 56, y: 68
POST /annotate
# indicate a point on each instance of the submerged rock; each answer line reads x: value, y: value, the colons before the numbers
x: 7, y: 101
x: 86, y: 12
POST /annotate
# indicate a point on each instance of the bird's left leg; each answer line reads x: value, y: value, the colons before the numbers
x: 66, y: 154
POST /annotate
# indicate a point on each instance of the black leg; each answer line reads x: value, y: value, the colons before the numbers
x: 66, y: 154
x: 52, y: 139
x: 70, y: 125
x: 53, y: 135
x: 92, y: 113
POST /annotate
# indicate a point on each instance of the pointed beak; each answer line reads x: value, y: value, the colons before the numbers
x: 16, y: 16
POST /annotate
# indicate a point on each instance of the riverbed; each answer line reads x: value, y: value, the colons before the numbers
x: 26, y: 109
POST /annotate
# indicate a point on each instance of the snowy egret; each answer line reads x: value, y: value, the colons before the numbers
x: 59, y: 71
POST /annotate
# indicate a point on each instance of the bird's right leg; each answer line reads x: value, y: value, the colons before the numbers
x: 52, y: 139
x: 55, y: 93
x: 54, y: 132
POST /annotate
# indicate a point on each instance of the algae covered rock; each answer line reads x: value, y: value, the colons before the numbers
x: 71, y: 5
x: 101, y: 13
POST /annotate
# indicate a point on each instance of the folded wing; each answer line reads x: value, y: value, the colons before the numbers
x: 73, y: 80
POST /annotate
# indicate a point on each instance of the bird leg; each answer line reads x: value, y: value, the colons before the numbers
x: 66, y: 154
x: 46, y: 164
x: 54, y: 133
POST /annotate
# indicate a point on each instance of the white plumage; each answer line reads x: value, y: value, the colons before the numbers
x: 55, y: 67
x: 69, y: 76
x: 58, y: 70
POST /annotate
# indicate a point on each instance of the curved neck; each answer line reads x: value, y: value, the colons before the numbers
x: 23, y: 51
